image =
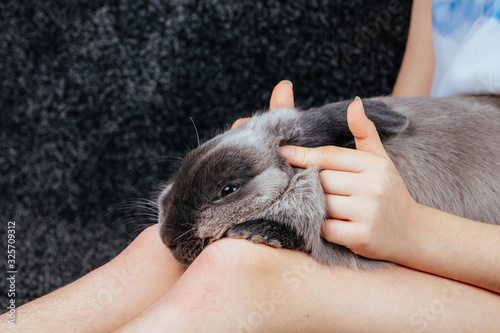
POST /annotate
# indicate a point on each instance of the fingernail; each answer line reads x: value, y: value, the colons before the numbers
x: 288, y: 81
x: 287, y: 152
x: 359, y: 100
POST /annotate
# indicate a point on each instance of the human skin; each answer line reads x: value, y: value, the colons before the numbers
x: 235, y: 285
x: 250, y: 287
x: 417, y: 69
x: 399, y: 229
x: 237, y: 276
x: 372, y: 213
x: 131, y: 282
x: 118, y: 291
x: 233, y: 281
x: 107, y: 297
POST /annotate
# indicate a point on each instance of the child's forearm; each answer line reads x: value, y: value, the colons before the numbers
x: 453, y: 247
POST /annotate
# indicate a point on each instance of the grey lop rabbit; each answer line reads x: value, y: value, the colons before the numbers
x: 237, y: 184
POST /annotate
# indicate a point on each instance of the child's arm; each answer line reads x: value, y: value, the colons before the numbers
x: 417, y: 69
x: 371, y: 212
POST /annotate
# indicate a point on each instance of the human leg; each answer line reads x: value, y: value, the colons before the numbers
x: 107, y: 297
x: 238, y: 285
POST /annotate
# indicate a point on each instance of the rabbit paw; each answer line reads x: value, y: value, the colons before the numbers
x: 267, y: 232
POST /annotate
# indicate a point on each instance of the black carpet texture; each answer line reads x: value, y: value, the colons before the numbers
x: 97, y: 97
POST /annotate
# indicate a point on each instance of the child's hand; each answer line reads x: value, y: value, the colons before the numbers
x: 369, y: 207
x: 281, y: 97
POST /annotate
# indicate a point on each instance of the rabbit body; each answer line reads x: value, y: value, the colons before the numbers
x: 237, y: 184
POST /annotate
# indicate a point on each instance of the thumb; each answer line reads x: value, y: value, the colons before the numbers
x: 363, y: 129
x: 282, y: 96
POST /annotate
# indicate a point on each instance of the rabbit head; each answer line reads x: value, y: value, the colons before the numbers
x: 238, y: 184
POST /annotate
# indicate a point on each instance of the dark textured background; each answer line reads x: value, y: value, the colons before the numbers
x: 91, y: 90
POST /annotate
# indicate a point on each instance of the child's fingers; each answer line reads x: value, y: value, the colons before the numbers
x: 338, y: 231
x: 340, y: 182
x: 364, y: 131
x: 328, y: 157
x: 282, y: 96
x: 339, y: 207
x: 240, y: 122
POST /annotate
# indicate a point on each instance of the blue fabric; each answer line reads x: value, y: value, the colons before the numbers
x: 466, y: 38
x: 450, y: 15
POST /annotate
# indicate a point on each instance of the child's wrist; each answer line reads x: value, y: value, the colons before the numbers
x: 412, y: 239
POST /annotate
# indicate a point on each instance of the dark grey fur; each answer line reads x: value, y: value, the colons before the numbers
x: 446, y: 149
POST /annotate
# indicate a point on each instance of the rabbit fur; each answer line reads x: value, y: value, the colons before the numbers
x: 237, y: 184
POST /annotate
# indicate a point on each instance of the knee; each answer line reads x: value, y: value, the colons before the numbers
x: 237, y: 261
x: 236, y: 256
x: 225, y: 271
x: 232, y: 278
x: 234, y: 262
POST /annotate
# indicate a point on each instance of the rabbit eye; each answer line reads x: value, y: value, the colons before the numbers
x: 228, y: 189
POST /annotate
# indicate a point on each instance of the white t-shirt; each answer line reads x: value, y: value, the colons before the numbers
x: 466, y: 36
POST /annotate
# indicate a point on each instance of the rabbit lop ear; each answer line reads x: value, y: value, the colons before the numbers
x: 327, y: 125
